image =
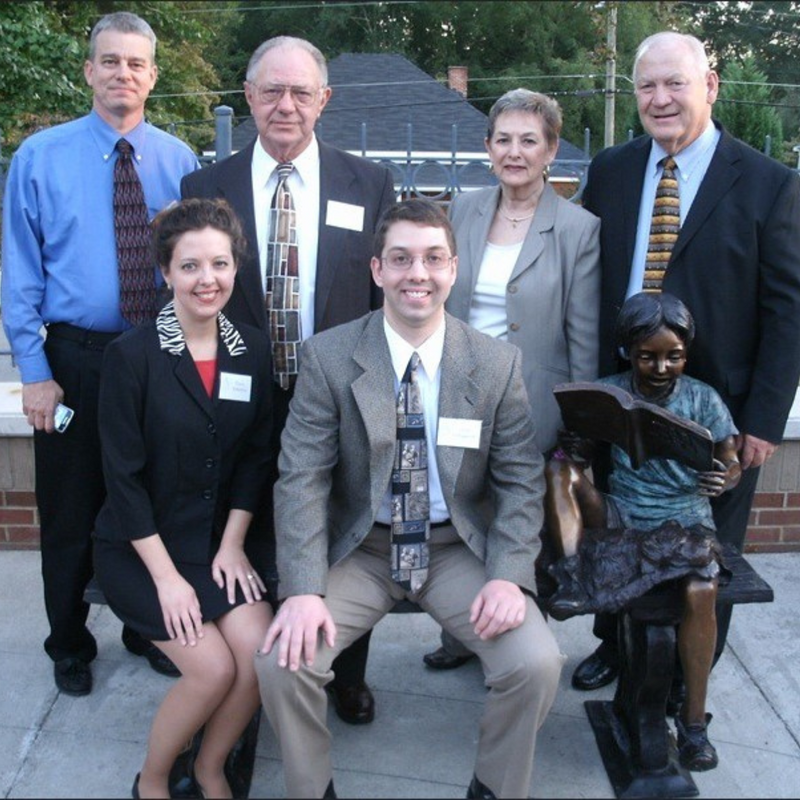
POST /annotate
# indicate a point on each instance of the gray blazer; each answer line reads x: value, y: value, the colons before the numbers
x: 553, y: 299
x: 337, y: 453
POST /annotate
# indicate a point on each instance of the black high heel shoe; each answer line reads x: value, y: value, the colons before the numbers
x: 135, y: 788
x: 198, y: 789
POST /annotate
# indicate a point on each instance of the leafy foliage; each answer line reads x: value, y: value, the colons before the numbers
x: 750, y: 118
x: 769, y: 34
x: 40, y: 77
x: 557, y: 47
x: 45, y: 45
x: 541, y: 46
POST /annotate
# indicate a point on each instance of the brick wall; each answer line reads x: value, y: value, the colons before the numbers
x: 19, y: 519
x: 774, y: 520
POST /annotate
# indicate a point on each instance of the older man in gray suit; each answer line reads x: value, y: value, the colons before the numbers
x: 350, y: 543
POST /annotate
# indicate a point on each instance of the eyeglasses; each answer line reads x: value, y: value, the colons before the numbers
x: 433, y: 262
x: 270, y: 94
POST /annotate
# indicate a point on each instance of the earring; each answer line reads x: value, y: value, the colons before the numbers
x: 546, y: 172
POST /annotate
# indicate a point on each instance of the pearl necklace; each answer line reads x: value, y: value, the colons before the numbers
x: 515, y: 220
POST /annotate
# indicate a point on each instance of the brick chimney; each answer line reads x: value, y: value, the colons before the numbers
x: 457, y: 79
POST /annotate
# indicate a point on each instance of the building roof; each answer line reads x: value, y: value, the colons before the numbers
x: 387, y: 92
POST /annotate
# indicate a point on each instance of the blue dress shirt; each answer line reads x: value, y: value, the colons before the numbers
x: 59, y: 250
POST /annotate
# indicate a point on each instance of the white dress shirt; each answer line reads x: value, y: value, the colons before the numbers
x: 429, y: 377
x: 304, y: 185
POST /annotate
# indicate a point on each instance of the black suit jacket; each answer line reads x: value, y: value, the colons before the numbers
x: 736, y: 265
x: 344, y: 286
x: 175, y: 460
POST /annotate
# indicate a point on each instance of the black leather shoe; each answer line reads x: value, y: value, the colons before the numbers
x: 330, y: 792
x: 593, y: 673
x: 441, y: 659
x: 695, y: 752
x: 353, y: 704
x: 73, y: 676
x: 479, y: 791
x: 139, y: 646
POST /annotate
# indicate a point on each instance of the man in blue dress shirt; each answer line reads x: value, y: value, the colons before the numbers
x: 60, y: 271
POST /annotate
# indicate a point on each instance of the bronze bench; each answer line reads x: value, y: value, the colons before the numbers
x: 638, y: 750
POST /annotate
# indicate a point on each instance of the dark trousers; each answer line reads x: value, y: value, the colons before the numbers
x: 731, y: 515
x: 350, y: 666
x: 69, y: 492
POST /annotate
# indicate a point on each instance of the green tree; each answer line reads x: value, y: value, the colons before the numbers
x: 541, y: 46
x: 769, y: 32
x: 743, y: 106
x: 40, y: 79
x: 44, y: 45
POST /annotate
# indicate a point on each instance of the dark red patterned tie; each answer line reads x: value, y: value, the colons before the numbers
x: 137, y: 290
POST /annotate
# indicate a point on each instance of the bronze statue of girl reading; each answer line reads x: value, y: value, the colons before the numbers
x: 655, y: 524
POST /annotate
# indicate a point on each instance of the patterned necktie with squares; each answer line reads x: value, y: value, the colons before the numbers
x: 410, y: 529
x: 137, y: 289
x: 283, y: 282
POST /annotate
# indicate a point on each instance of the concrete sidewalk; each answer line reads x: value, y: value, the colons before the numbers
x: 422, y: 743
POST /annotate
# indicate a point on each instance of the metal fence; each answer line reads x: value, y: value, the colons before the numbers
x: 416, y: 172
x: 438, y: 177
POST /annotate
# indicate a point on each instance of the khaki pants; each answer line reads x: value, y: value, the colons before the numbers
x: 522, y: 667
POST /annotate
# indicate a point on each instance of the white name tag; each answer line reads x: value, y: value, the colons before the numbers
x: 459, y: 433
x: 345, y: 215
x: 235, y: 387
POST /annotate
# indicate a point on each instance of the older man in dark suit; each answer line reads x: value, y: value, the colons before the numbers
x: 735, y: 263
x: 409, y: 469
x: 337, y: 199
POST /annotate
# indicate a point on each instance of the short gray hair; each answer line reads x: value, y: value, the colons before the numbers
x: 121, y: 22
x: 695, y: 46
x: 530, y: 103
x: 287, y: 41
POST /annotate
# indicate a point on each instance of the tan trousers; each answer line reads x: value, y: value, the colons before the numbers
x: 521, y: 667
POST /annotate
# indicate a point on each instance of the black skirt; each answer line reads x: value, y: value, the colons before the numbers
x: 131, y: 593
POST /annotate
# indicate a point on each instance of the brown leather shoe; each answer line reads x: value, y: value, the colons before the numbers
x: 353, y: 704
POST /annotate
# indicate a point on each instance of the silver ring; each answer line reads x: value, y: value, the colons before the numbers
x: 250, y: 576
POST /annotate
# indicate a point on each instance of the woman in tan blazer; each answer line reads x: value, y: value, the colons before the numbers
x: 528, y: 268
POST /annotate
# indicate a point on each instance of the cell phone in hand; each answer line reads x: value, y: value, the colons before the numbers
x: 62, y: 417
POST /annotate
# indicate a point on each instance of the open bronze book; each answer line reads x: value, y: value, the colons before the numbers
x: 643, y: 430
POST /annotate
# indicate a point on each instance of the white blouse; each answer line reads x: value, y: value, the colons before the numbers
x: 488, y: 309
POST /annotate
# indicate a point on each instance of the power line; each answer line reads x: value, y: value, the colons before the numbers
x: 393, y: 84
x: 293, y: 7
x: 764, y: 12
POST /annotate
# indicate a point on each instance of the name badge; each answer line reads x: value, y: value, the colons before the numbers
x: 464, y: 433
x: 235, y: 387
x: 345, y: 215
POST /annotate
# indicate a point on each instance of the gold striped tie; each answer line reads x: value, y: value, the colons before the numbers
x: 664, y: 228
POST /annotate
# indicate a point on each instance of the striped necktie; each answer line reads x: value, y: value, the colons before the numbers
x: 664, y: 227
x: 283, y: 282
x: 410, y: 498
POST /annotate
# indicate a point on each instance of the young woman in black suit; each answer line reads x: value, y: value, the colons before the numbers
x: 185, y: 421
